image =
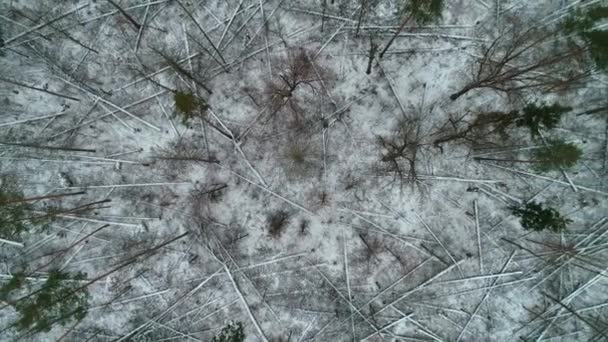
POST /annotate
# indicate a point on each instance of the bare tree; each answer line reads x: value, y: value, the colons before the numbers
x: 296, y: 70
x: 402, y: 148
x: 523, y: 59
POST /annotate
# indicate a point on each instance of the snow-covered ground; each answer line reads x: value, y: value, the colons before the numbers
x: 363, y: 256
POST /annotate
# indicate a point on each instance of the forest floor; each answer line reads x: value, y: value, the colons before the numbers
x: 293, y: 226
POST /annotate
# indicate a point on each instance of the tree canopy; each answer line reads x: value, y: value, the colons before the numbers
x: 187, y: 105
x: 58, y: 300
x: 423, y: 11
x: 557, y: 155
x: 534, y: 217
x: 584, y: 25
x: 541, y: 117
x: 13, y: 211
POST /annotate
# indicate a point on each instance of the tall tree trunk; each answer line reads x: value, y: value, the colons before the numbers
x: 373, y: 48
x: 361, y: 15
x: 464, y: 90
x: 125, y: 14
x: 30, y: 199
x: 323, y: 15
x: 593, y: 111
x: 390, y: 42
x: 507, y: 160
x: 49, y: 147
x: 202, y: 31
x: 39, y: 89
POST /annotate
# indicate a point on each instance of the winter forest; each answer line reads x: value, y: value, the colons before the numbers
x: 299, y: 171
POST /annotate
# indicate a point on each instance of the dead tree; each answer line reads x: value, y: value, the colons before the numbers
x: 518, y: 60
x: 180, y: 155
x: 125, y: 14
x: 362, y: 12
x: 297, y: 70
x: 401, y: 148
x: 202, y: 31
x: 174, y: 64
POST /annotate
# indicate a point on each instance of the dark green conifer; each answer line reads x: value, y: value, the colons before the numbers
x: 534, y: 217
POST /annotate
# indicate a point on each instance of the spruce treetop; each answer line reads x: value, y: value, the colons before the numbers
x: 533, y: 216
x: 423, y: 11
x: 58, y: 300
x: 13, y: 211
x: 585, y: 25
x: 541, y: 117
x: 557, y: 155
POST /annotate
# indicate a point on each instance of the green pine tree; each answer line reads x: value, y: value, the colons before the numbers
x: 58, y: 301
x: 188, y: 105
x: 423, y: 11
x: 16, y: 216
x: 557, y: 155
x: 16, y: 282
x: 541, y: 117
x: 233, y: 332
x: 582, y: 24
x: 534, y: 217
x: 13, y: 211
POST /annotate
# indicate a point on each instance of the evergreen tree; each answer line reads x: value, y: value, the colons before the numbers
x: 543, y: 117
x: 582, y: 24
x: 423, y: 11
x: 534, y: 217
x: 188, y: 105
x: 57, y: 301
x: 233, y: 332
x: 17, y: 280
x: 13, y: 211
x: 556, y: 155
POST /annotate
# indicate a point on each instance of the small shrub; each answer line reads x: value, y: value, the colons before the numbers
x: 304, y: 224
x: 534, y: 217
x: 300, y: 158
x: 277, y: 222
